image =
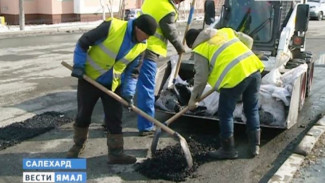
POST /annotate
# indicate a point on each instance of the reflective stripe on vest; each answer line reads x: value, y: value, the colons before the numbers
x: 101, y: 70
x: 230, y: 66
x: 113, y: 55
x: 102, y: 57
x: 94, y: 65
x: 217, y: 53
x: 230, y: 61
x: 161, y: 37
x: 158, y: 9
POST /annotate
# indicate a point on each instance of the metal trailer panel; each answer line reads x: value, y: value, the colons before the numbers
x: 292, y: 113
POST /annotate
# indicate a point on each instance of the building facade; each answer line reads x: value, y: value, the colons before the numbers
x: 57, y: 11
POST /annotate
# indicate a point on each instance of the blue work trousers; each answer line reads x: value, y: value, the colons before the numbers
x: 146, y: 93
x: 249, y: 89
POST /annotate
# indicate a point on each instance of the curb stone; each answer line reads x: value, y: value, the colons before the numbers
x: 288, y: 169
x: 321, y: 122
x: 308, y: 142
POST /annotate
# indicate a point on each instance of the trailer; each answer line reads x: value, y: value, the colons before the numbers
x: 279, y: 31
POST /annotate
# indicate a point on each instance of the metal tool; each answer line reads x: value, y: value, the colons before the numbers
x: 180, y: 56
x: 181, y: 139
x: 155, y: 139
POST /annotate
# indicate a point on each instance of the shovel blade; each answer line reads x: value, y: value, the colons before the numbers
x: 186, y: 151
x: 155, y: 140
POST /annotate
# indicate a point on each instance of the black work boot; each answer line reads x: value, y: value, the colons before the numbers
x: 79, y: 138
x: 226, y: 151
x: 116, y: 152
x: 254, y: 141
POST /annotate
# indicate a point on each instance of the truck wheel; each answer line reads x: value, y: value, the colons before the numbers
x: 320, y: 16
x: 310, y: 76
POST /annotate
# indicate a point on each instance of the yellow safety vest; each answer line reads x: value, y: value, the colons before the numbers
x: 158, y: 9
x: 102, y: 57
x: 230, y: 61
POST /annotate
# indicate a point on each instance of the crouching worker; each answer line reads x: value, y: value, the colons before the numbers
x: 108, y: 54
x: 224, y: 60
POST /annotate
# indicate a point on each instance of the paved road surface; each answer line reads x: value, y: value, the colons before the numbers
x: 33, y: 81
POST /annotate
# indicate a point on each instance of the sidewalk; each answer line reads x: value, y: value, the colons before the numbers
x: 69, y: 27
x: 293, y: 165
x: 14, y: 30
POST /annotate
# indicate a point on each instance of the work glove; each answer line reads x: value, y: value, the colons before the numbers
x: 78, y: 72
x: 192, y: 104
x: 130, y: 101
x: 181, y: 50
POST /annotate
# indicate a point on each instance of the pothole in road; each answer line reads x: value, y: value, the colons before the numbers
x: 20, y: 131
x: 170, y: 164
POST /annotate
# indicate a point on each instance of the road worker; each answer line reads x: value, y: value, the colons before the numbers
x: 165, y: 14
x: 223, y: 59
x: 108, y: 54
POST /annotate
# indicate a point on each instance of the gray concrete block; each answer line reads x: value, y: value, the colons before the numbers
x: 316, y: 131
x: 288, y: 169
x: 321, y: 122
x: 306, y: 145
x: 308, y: 142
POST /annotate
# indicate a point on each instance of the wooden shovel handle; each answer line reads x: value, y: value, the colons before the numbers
x: 180, y: 56
x: 121, y: 100
x: 180, y: 113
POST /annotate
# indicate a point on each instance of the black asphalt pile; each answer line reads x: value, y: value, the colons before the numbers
x: 20, y: 131
x: 170, y: 164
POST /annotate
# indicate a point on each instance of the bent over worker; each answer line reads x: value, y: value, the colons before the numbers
x: 165, y: 14
x: 223, y: 59
x: 108, y: 54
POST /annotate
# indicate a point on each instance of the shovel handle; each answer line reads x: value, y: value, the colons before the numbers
x: 121, y: 100
x: 178, y: 66
x: 180, y: 113
x: 189, y: 21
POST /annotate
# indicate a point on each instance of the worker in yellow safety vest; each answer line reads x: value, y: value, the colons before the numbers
x: 165, y: 14
x: 223, y: 59
x: 108, y: 54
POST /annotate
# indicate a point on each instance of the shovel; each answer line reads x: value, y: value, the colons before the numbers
x: 155, y: 139
x: 189, y: 21
x: 181, y: 139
